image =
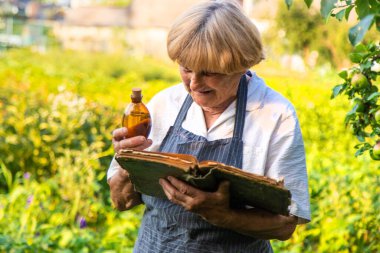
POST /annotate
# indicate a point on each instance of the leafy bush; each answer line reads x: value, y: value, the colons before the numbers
x: 64, y: 213
x: 302, y: 31
x: 35, y: 132
x: 361, y: 87
x: 55, y: 199
x: 88, y: 76
x: 55, y: 147
x: 344, y: 190
x: 54, y: 153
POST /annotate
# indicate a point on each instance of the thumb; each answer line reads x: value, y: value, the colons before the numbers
x: 224, y: 187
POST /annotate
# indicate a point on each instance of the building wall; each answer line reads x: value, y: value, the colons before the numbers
x: 90, y: 38
x: 149, y: 22
x: 145, y: 24
x: 147, y: 41
x: 156, y: 13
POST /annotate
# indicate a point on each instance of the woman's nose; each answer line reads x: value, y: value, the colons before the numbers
x: 195, y: 80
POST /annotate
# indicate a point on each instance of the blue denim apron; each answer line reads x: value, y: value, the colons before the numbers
x: 167, y: 227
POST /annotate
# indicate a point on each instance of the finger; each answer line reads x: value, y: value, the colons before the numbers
x: 119, y: 133
x: 173, y: 194
x: 183, y: 187
x: 224, y: 188
x: 132, y: 142
x: 146, y: 145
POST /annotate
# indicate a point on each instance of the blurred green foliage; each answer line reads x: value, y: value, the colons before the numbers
x: 302, y: 30
x: 56, y: 118
x: 36, y: 131
x: 360, y: 84
x: 344, y: 190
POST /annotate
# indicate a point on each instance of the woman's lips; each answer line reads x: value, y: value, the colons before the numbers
x: 202, y: 91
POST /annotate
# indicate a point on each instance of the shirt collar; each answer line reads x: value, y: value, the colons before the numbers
x: 255, y: 100
x: 256, y: 92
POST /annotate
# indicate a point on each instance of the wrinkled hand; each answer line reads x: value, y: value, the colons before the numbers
x: 120, y: 141
x: 211, y: 206
x: 123, y: 194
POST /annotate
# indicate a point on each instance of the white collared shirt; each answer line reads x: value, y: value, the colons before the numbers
x: 273, y: 144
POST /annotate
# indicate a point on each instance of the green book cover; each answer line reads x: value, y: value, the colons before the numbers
x: 146, y: 168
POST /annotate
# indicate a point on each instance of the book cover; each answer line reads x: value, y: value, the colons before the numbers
x: 246, y: 189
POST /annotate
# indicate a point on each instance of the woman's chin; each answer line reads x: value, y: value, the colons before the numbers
x: 202, y: 101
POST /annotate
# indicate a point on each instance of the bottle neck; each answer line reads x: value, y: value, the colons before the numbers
x: 136, y: 100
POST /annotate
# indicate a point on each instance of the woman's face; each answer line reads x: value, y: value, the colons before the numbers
x: 211, y: 91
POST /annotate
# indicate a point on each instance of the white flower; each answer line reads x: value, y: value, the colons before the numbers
x: 375, y: 67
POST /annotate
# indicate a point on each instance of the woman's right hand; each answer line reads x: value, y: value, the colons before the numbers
x: 123, y: 194
x: 120, y: 140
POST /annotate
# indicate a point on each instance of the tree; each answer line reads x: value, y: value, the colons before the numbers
x: 306, y: 32
x: 360, y: 82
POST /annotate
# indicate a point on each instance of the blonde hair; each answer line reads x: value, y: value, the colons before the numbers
x: 215, y: 36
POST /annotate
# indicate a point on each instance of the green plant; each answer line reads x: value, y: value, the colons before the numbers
x: 55, y: 147
x: 35, y: 132
x: 69, y: 209
x: 344, y: 191
x: 65, y: 212
x: 360, y: 80
x: 360, y: 87
x: 303, y: 32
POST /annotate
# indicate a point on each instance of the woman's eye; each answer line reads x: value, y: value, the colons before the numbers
x: 210, y: 74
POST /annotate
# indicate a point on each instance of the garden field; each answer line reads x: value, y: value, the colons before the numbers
x: 57, y: 112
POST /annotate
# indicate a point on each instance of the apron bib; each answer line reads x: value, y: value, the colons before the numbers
x: 167, y: 227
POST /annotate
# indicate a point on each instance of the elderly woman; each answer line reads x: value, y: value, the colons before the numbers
x: 221, y: 107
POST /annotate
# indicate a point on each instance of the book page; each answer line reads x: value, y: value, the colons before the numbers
x: 182, y: 161
x: 206, y: 165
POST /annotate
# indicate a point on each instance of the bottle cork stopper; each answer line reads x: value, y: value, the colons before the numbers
x: 136, y: 94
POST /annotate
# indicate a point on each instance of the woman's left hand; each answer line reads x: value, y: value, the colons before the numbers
x: 211, y: 206
x: 214, y: 207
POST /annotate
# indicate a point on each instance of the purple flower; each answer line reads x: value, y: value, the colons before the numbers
x: 82, y: 223
x: 27, y: 175
x: 29, y: 200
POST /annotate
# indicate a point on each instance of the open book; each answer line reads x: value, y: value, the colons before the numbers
x: 146, y: 168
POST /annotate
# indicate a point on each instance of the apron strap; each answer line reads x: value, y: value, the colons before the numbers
x: 183, y: 112
x: 241, y: 105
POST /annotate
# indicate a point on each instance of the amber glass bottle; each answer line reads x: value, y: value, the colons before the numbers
x: 136, y: 116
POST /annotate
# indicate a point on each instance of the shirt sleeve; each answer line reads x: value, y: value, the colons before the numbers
x: 286, y: 159
x: 113, y: 168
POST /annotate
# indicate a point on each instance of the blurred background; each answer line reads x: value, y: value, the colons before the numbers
x: 66, y: 72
